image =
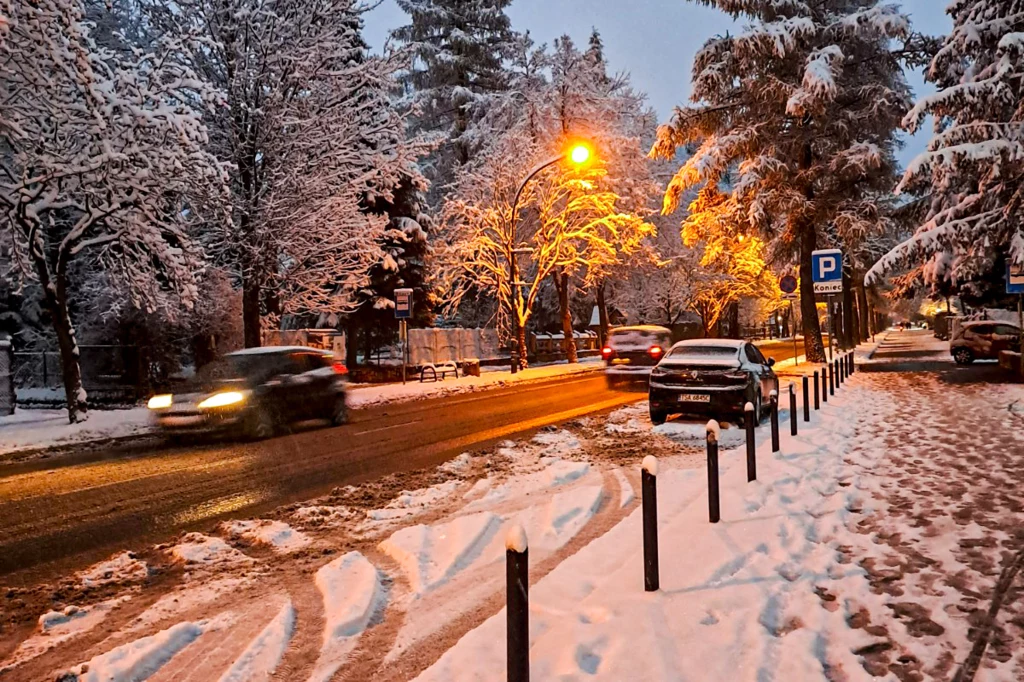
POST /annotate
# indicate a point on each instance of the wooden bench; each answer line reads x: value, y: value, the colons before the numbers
x: 439, y: 370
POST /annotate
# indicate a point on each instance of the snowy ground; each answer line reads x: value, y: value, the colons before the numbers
x: 868, y: 549
x: 35, y: 429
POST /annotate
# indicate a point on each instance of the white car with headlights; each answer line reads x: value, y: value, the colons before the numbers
x: 255, y: 392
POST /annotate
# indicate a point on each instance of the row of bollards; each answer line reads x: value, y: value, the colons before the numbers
x: 517, y: 584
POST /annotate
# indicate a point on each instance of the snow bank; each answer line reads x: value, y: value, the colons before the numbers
x: 352, y: 593
x: 33, y: 429
x: 275, y: 534
x: 198, y: 549
x: 119, y: 569
x: 626, y: 494
x: 321, y: 515
x: 185, y: 599
x: 412, y: 502
x: 259, y: 660
x: 140, y: 659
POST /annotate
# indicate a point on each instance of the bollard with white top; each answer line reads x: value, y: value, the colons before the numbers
x: 714, y: 433
x: 517, y: 610
x: 807, y: 399
x: 649, y: 495
x: 748, y: 413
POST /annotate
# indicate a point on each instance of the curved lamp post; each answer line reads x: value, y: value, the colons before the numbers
x: 579, y: 155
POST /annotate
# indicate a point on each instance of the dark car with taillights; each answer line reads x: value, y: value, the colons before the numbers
x: 254, y: 393
x: 630, y: 353
x: 711, y: 377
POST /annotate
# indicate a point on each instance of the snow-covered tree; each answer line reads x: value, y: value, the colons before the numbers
x: 973, y: 169
x: 102, y: 166
x: 312, y: 139
x: 460, y: 49
x: 796, y: 115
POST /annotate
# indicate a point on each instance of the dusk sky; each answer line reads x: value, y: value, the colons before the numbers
x: 653, y: 40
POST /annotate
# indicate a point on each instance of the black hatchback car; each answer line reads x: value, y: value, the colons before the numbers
x: 712, y: 377
x: 255, y: 392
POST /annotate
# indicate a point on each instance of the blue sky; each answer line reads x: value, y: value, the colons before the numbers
x: 653, y: 40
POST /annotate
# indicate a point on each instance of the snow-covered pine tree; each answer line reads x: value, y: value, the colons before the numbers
x: 104, y: 165
x: 460, y: 49
x: 798, y: 111
x: 974, y: 165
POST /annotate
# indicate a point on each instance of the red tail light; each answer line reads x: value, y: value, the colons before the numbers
x: 339, y: 368
x: 606, y: 351
x: 656, y: 351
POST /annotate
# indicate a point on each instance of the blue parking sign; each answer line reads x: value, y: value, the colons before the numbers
x: 827, y: 271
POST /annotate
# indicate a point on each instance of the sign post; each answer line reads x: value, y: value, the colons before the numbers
x: 403, y: 312
x: 788, y: 285
x: 827, y: 273
x: 1015, y: 285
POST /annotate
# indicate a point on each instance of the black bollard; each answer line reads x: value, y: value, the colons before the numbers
x: 824, y: 383
x: 517, y: 594
x: 714, y: 511
x: 775, y: 421
x: 807, y: 399
x: 748, y: 411
x: 832, y: 381
x: 792, y: 409
x: 842, y: 370
x: 853, y: 364
x: 649, y: 494
x: 835, y: 372
x: 817, y: 404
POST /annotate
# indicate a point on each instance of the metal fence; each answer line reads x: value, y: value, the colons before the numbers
x: 108, y: 373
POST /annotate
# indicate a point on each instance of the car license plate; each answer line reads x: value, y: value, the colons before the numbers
x: 620, y: 361
x: 694, y: 398
x: 187, y: 420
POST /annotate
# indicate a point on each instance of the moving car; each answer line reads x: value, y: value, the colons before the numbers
x: 630, y: 353
x: 983, y: 340
x: 712, y: 377
x: 255, y: 392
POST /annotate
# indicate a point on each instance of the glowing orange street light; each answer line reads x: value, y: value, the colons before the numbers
x: 580, y: 154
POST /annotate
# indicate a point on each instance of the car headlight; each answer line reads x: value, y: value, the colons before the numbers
x: 223, y: 399
x: 160, y: 402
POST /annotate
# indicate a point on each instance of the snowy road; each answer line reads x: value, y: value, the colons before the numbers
x: 62, y: 515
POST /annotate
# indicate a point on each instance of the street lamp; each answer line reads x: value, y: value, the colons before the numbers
x: 579, y: 155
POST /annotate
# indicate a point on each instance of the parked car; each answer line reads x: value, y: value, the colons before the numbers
x: 630, y: 353
x: 983, y: 340
x: 712, y: 377
x: 254, y: 393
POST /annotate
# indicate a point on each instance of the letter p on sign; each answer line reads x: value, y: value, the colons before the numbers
x: 827, y: 266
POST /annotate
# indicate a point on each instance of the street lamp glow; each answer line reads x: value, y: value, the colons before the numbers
x: 580, y: 154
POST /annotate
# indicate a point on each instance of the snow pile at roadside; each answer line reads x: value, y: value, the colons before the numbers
x: 186, y: 599
x: 323, y: 516
x: 121, y: 568
x: 261, y: 657
x: 196, y: 549
x: 352, y: 594
x: 275, y: 534
x: 414, y: 390
x: 34, y: 429
x: 58, y: 627
x: 412, y: 502
x: 764, y: 594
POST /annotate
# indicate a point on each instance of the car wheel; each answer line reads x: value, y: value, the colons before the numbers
x: 339, y: 414
x: 963, y: 356
x: 261, y: 426
x: 657, y: 417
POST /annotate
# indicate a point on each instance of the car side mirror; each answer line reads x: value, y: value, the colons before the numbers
x: 771, y: 362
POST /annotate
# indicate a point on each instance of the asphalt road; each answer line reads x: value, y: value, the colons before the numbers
x: 62, y: 513
x: 59, y: 514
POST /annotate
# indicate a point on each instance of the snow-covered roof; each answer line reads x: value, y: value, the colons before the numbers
x: 276, y: 349
x: 714, y: 343
x: 642, y: 328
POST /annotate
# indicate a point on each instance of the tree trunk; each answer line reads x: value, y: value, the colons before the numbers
x: 568, y: 342
x: 351, y: 343
x: 849, y: 334
x: 862, y: 307
x: 602, y: 314
x: 814, y: 347
x: 521, y: 340
x: 731, y: 317
x: 251, y: 318
x: 56, y: 301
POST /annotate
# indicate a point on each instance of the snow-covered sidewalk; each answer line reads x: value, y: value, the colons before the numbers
x: 869, y: 548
